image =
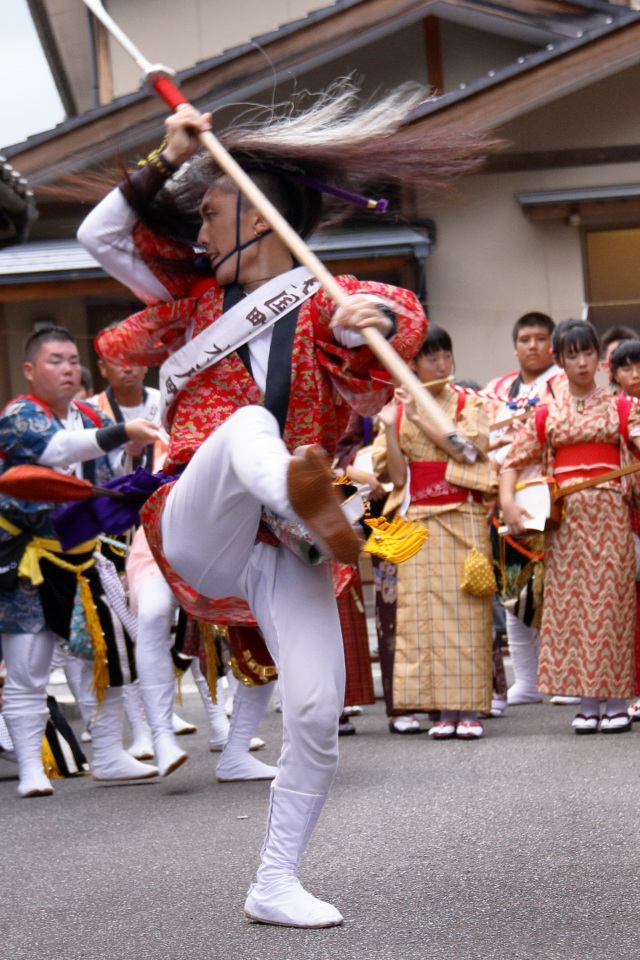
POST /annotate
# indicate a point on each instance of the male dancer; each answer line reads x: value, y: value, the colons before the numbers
x: 48, y: 427
x: 245, y: 430
x: 124, y: 398
x: 533, y: 379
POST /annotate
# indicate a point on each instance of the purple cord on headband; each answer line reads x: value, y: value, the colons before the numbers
x: 378, y: 206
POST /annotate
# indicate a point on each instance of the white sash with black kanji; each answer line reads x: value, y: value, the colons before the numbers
x: 237, y: 326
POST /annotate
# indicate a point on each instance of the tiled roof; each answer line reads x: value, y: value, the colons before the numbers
x: 67, y: 260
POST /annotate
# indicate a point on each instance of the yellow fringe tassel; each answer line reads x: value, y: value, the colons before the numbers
x: 208, y: 633
x: 51, y: 768
x: 100, y: 662
x: 178, y: 674
x: 396, y: 541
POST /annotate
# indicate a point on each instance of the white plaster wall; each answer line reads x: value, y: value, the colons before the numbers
x: 490, y: 265
x: 203, y: 29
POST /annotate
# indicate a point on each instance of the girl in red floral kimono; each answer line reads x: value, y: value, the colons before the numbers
x: 624, y: 371
x: 588, y: 615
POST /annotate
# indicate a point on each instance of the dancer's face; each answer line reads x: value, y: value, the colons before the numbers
x: 225, y: 226
x: 628, y: 376
x: 122, y: 376
x: 580, y: 367
x: 533, y: 349
x: 433, y: 366
x: 54, y: 375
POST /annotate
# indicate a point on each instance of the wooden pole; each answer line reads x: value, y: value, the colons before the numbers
x: 159, y: 79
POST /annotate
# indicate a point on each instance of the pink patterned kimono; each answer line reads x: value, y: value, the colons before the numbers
x: 589, y: 609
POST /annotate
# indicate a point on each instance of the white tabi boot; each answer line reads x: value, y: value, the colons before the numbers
x: 277, y: 896
x: 524, y: 649
x: 236, y: 763
x: 181, y: 727
x: 216, y: 713
x: 28, y: 660
x: 26, y: 718
x: 6, y: 743
x: 134, y: 711
x: 110, y: 760
x: 158, y: 702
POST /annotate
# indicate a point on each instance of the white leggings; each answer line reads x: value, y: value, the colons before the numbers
x: 28, y: 658
x: 209, y: 526
x: 156, y: 609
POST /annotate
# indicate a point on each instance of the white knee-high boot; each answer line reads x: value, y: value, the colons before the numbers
x: 277, y: 896
x: 26, y: 718
x: 156, y: 608
x: 216, y: 714
x: 73, y: 671
x: 110, y: 760
x: 134, y: 711
x: 524, y: 649
x: 28, y: 659
x: 6, y: 743
x: 236, y: 763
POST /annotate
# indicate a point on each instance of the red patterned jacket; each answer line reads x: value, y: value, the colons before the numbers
x: 327, y: 380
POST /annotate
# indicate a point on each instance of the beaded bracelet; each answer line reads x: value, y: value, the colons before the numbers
x: 158, y: 159
x: 162, y: 164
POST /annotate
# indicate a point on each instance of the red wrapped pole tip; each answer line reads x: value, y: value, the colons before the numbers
x: 168, y: 91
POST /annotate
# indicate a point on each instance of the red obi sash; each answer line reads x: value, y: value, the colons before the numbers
x: 428, y: 487
x: 581, y: 461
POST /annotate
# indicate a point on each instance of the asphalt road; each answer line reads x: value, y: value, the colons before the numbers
x: 523, y: 845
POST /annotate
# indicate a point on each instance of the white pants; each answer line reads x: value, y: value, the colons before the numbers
x: 28, y: 657
x: 209, y: 527
x: 157, y: 607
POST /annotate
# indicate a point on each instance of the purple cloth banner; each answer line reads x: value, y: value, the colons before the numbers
x: 86, y: 519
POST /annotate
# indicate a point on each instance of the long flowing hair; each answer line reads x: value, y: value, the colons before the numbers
x: 335, y: 142
x: 295, y: 150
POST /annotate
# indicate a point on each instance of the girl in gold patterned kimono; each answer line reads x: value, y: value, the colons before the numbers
x: 443, y: 654
x: 588, y: 615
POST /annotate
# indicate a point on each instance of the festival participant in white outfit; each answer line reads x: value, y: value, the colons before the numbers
x: 48, y: 427
x: 124, y: 399
x: 534, y: 379
x: 155, y: 605
x: 244, y: 424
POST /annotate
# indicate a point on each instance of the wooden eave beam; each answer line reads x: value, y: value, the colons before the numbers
x: 433, y: 49
x: 562, y: 159
x: 58, y: 289
x: 535, y: 9
x: 585, y: 211
x: 41, y: 22
x: 123, y: 128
